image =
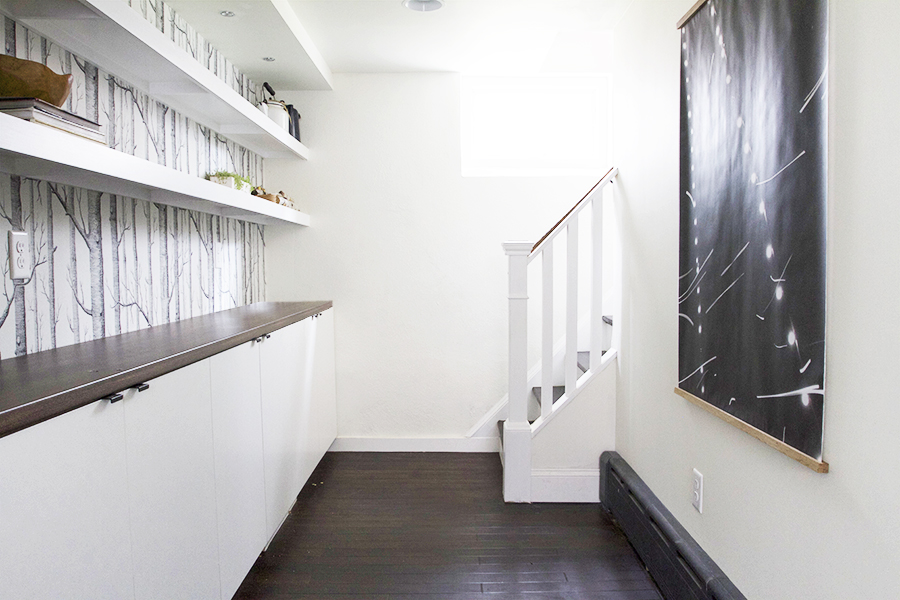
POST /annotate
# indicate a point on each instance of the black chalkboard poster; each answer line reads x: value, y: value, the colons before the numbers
x: 751, y: 302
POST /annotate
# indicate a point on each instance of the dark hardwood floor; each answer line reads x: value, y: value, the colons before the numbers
x: 434, y: 526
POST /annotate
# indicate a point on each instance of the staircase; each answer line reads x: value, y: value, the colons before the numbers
x: 547, y: 456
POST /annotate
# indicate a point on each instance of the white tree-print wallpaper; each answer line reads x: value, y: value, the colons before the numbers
x: 107, y: 264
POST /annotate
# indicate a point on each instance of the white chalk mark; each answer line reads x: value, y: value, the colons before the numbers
x: 780, y: 280
x: 695, y: 280
x: 687, y: 294
x: 735, y: 258
x: 730, y: 401
x: 781, y: 347
x: 694, y: 204
x: 782, y: 170
x: 815, y: 89
x: 775, y: 291
x: 686, y: 317
x: 806, y: 366
x: 699, y: 383
x: 685, y: 275
x: 697, y: 370
x: 707, y: 258
x: 813, y: 389
x: 760, y: 318
x: 783, y: 432
x: 709, y: 308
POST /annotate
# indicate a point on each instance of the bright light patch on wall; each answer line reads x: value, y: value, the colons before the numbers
x: 534, y: 126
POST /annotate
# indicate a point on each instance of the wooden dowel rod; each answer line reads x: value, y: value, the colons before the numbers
x: 699, y: 4
x: 804, y: 459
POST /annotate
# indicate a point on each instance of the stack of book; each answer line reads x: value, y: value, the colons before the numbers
x: 38, y: 111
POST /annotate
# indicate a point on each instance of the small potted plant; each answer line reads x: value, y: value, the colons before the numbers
x: 230, y: 180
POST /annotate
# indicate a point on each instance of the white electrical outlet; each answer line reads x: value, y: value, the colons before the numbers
x: 19, y: 255
x: 697, y: 491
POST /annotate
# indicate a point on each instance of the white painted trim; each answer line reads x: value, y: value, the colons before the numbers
x: 565, y: 485
x: 487, y: 426
x: 372, y: 444
x: 586, y: 378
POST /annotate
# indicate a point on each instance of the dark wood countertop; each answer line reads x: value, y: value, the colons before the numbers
x: 43, y: 385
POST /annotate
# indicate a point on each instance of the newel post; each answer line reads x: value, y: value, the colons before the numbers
x: 516, y: 429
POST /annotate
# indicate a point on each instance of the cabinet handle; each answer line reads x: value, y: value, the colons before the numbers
x: 268, y: 335
x: 141, y: 387
x: 113, y: 398
x: 258, y: 340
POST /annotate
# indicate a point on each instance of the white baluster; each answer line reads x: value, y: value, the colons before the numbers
x: 597, y: 281
x: 571, y: 359
x: 547, y: 332
x: 516, y: 429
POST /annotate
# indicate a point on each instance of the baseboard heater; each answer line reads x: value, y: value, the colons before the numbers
x: 680, y: 568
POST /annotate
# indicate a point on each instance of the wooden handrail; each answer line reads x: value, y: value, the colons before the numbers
x: 607, y: 177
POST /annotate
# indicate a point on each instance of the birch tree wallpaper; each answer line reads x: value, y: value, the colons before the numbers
x: 753, y: 210
x: 107, y: 264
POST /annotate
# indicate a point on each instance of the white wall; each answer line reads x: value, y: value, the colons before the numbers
x: 775, y: 527
x: 408, y: 250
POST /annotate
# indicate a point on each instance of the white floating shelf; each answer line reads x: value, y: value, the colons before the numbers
x: 117, y: 39
x: 260, y: 28
x: 42, y: 152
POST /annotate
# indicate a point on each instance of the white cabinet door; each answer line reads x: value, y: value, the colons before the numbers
x: 171, y: 486
x: 322, y: 428
x: 240, y: 485
x: 283, y: 362
x: 64, y: 508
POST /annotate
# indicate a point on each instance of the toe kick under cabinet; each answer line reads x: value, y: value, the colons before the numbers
x: 172, y: 491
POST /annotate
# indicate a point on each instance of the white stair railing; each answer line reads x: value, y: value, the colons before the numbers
x: 517, y: 430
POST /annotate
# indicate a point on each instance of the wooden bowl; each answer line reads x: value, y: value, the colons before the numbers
x: 28, y: 79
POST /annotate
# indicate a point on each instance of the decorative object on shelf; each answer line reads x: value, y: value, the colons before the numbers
x: 752, y: 327
x: 231, y: 180
x: 284, y: 115
x: 279, y: 198
x: 39, y: 111
x: 20, y: 78
x: 294, y: 125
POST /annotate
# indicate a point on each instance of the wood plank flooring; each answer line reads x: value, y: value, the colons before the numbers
x: 417, y: 526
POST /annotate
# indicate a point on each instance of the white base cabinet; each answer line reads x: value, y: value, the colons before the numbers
x: 172, y: 486
x: 64, y: 526
x: 299, y: 414
x: 174, y: 491
x: 240, y: 481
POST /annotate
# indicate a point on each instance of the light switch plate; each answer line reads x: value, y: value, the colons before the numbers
x: 697, y: 491
x: 19, y: 255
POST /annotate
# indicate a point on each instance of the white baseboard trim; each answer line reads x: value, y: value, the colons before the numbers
x: 363, y: 444
x: 565, y: 485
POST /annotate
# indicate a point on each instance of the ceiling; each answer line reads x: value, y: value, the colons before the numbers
x: 310, y: 39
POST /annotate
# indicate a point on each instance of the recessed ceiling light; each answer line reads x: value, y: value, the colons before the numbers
x: 269, y: 58
x: 423, y: 5
x: 226, y: 13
